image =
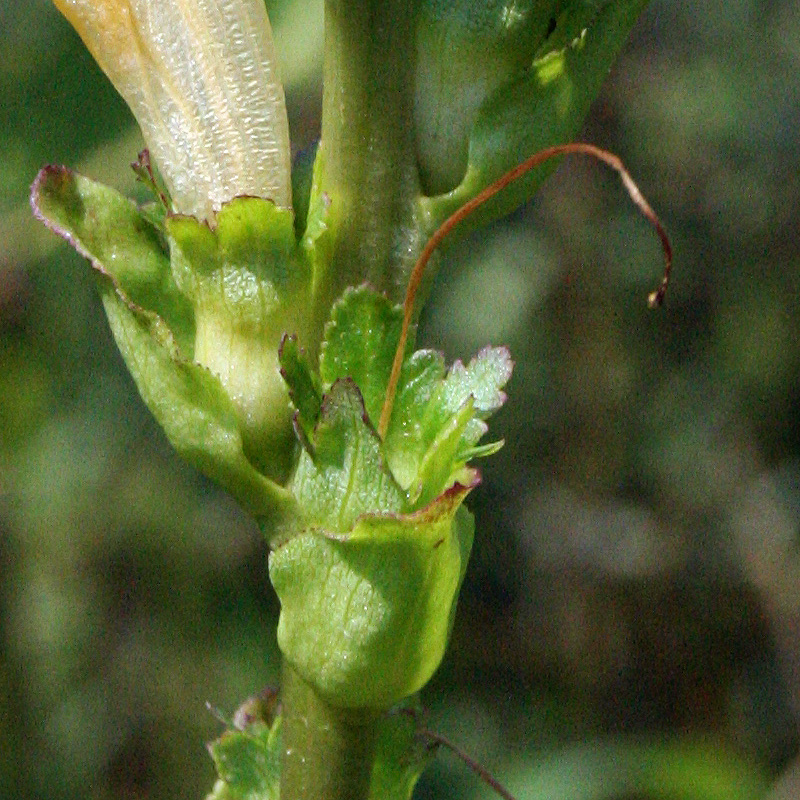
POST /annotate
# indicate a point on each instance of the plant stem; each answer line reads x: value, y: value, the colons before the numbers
x: 369, y: 174
x: 327, y: 751
x: 370, y: 165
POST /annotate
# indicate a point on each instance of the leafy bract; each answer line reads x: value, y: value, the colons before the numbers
x: 249, y: 246
x: 153, y: 325
x: 537, y: 106
x: 437, y: 420
x: 247, y: 760
x: 360, y: 343
x: 190, y: 404
x: 365, y: 617
x: 247, y: 763
x: 368, y: 585
x: 305, y: 388
x: 248, y: 286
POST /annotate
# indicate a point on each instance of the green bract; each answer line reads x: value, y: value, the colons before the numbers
x: 247, y: 759
x: 164, y: 290
x: 247, y: 762
x: 365, y: 618
x: 368, y: 587
x: 498, y: 82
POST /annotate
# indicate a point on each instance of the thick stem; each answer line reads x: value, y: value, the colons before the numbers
x: 370, y: 165
x: 327, y: 751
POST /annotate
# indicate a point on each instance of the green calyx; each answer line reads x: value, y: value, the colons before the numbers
x: 184, y: 292
x: 365, y: 617
x: 248, y: 285
x: 368, y: 584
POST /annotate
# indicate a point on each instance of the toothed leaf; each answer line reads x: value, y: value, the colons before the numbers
x: 248, y: 763
x: 439, y: 462
x: 438, y: 419
x: 346, y: 476
x: 360, y: 343
x: 305, y: 389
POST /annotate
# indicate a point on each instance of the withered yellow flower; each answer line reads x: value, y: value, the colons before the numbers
x: 201, y: 78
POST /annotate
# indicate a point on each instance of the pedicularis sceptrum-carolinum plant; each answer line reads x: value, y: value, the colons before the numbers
x: 264, y: 328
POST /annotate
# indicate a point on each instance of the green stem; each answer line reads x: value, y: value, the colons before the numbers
x: 370, y: 176
x: 370, y: 165
x: 327, y: 751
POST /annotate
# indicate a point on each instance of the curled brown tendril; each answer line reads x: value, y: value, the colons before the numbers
x: 654, y: 299
x: 433, y: 741
x: 436, y: 740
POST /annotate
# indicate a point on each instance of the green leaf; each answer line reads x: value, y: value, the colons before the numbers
x: 482, y: 380
x: 346, y: 476
x: 365, y: 617
x: 119, y: 241
x: 248, y: 760
x: 360, y: 343
x: 250, y: 244
x: 405, y: 437
x: 539, y: 106
x: 248, y: 763
x: 305, y: 388
x: 437, y: 420
x: 431, y: 432
x: 437, y: 417
x: 437, y: 466
x: 190, y: 404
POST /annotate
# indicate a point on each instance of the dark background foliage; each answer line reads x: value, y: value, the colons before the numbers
x: 630, y: 623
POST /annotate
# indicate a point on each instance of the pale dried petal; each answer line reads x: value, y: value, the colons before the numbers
x: 202, y: 81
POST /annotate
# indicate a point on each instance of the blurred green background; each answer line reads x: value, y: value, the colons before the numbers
x: 630, y: 623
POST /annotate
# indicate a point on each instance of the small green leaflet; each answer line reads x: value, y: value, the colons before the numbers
x: 437, y: 421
